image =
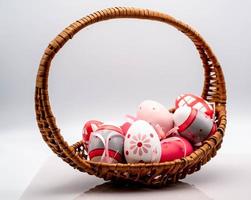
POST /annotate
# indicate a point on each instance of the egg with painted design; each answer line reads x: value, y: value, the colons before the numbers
x: 142, y: 143
x: 193, y: 124
x: 195, y: 102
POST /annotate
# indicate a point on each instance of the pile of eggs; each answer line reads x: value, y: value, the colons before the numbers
x: 154, y: 134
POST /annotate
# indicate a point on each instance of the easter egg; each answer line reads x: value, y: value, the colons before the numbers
x: 195, y: 102
x: 142, y: 143
x: 193, y: 124
x: 174, y: 148
x: 156, y: 115
x: 89, y: 127
x: 106, y: 144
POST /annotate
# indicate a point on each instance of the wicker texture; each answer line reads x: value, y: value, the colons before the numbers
x: 149, y: 173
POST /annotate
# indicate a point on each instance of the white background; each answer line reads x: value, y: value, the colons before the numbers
x: 109, y: 68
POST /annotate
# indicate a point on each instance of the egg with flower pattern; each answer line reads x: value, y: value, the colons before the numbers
x: 142, y: 143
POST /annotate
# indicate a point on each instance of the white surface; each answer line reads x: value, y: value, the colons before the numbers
x: 22, y: 154
x: 224, y: 177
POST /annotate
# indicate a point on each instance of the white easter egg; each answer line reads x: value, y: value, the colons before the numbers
x: 142, y: 143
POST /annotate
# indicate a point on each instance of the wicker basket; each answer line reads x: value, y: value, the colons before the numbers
x: 145, y: 173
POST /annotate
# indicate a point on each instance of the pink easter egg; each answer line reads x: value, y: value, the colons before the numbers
x: 193, y: 124
x: 195, y: 102
x: 156, y: 115
x: 106, y: 144
x: 89, y: 127
x: 175, y: 148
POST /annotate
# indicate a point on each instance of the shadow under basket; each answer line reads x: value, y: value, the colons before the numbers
x: 145, y: 173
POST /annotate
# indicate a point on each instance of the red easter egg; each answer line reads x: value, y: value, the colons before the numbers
x: 175, y: 148
x: 196, y: 102
x: 89, y: 127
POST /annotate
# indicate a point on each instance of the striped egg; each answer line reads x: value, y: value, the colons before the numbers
x: 106, y: 144
x: 193, y: 124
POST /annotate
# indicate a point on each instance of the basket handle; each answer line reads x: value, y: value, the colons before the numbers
x: 213, y: 89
